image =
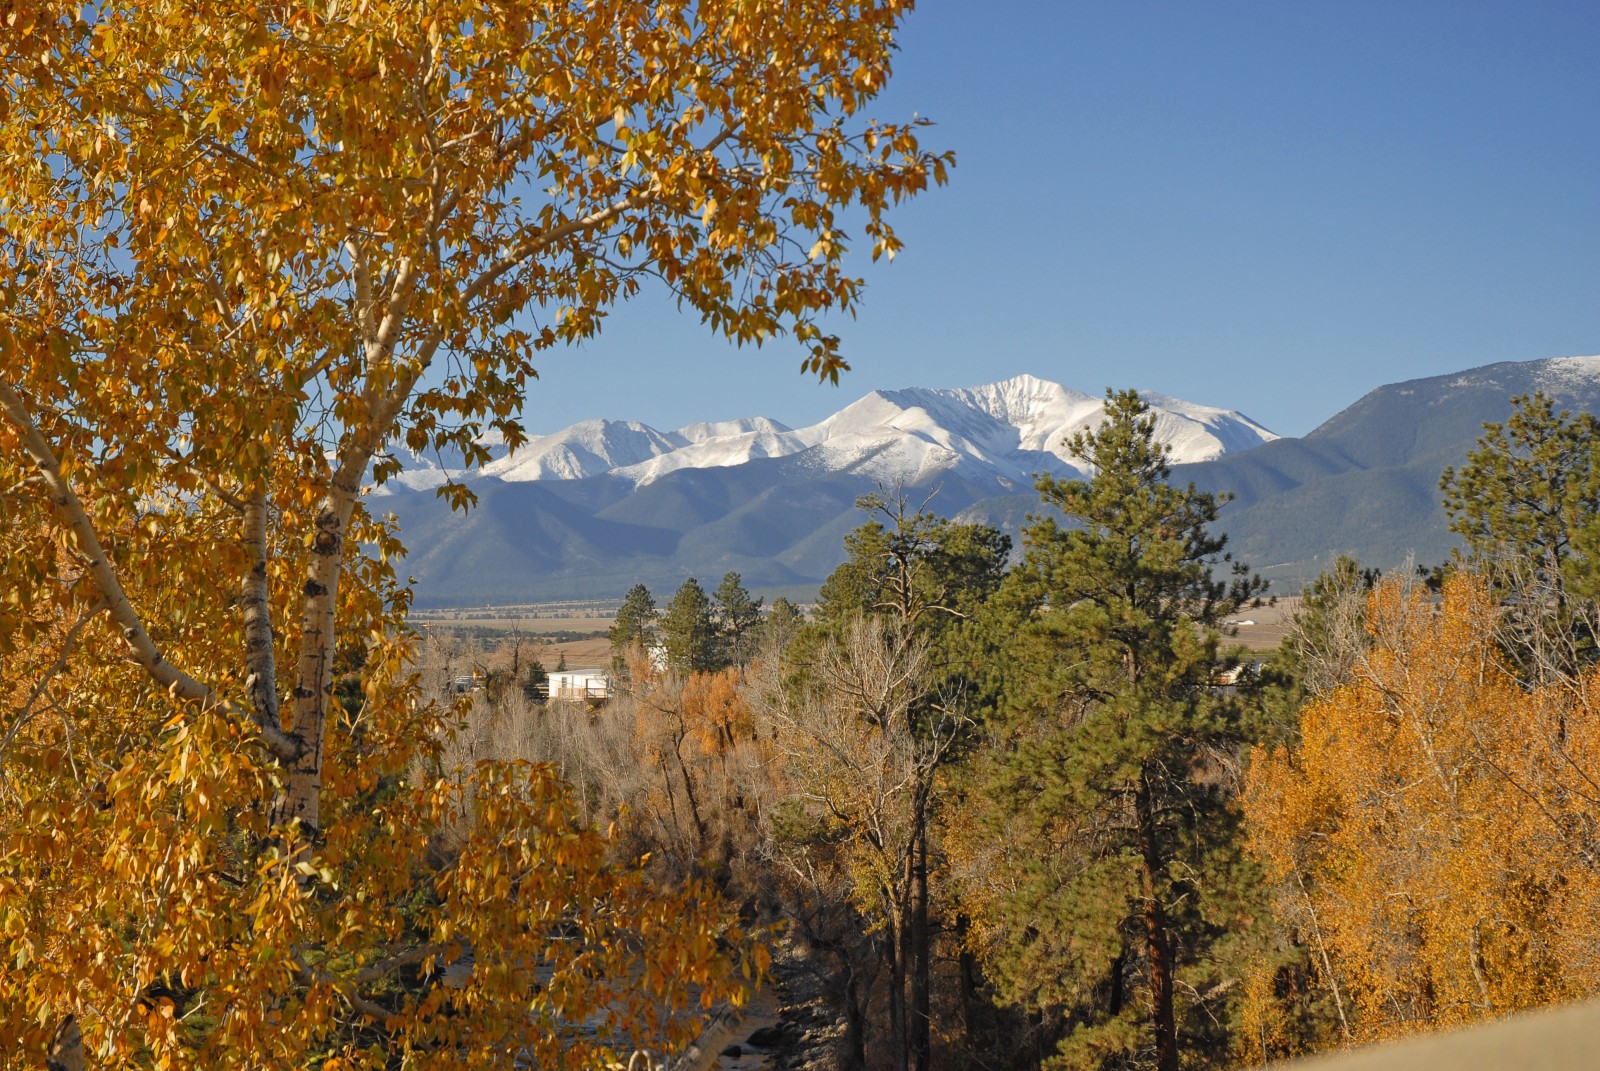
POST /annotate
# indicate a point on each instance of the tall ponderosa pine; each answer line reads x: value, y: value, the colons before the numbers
x: 1110, y: 799
x: 910, y: 564
x: 1526, y: 504
x: 738, y: 616
x: 689, y: 633
x: 636, y: 620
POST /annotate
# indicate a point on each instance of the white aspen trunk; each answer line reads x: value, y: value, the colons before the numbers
x: 255, y: 596
x: 69, y: 508
x: 313, y: 691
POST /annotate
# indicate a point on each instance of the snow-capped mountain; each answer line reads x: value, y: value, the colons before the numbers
x: 774, y: 503
x: 1011, y: 429
x: 1005, y: 431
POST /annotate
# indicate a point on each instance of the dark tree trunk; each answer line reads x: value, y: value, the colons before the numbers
x: 1116, y: 992
x: 896, y: 941
x: 1157, y: 939
x: 66, y: 1049
x: 853, y: 1046
x: 921, y: 1043
x: 971, y: 1002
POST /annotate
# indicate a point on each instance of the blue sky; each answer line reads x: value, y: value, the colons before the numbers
x: 1274, y: 206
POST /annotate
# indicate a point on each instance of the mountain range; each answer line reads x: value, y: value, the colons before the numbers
x: 1006, y: 431
x: 603, y: 504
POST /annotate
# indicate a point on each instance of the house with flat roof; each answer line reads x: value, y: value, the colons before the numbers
x: 589, y: 684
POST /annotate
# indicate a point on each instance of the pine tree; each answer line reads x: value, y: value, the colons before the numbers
x: 636, y: 623
x: 688, y: 631
x: 1112, y: 793
x: 1526, y: 504
x: 737, y: 618
x: 783, y: 620
x: 536, y: 685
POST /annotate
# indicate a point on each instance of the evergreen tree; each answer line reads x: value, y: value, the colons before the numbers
x: 536, y: 684
x: 1528, y: 489
x: 1113, y: 787
x: 925, y: 570
x: 1527, y: 505
x: 689, y: 633
x: 635, y: 623
x: 737, y: 617
x: 782, y: 622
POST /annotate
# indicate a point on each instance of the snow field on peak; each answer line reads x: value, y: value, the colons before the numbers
x: 1009, y: 429
x: 1569, y: 371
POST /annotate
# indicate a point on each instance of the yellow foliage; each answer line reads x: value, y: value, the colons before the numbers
x: 247, y: 251
x: 1431, y: 831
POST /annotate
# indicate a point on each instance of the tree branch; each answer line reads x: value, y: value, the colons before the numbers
x: 145, y: 651
x: 71, y: 638
x: 255, y: 595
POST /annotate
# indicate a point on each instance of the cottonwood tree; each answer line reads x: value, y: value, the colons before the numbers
x: 246, y: 255
x: 1431, y: 829
x: 909, y: 580
x: 705, y: 771
x: 862, y: 744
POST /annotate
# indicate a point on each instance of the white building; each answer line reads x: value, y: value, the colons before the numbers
x: 580, y: 684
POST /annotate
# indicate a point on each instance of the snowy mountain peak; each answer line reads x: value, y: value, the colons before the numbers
x: 1002, y: 433
x: 1568, y: 372
x: 722, y: 429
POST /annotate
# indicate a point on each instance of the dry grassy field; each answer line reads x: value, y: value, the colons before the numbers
x: 550, y: 631
x: 1263, y: 628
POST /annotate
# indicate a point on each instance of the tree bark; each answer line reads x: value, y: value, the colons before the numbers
x: 66, y: 1048
x: 971, y: 1001
x: 255, y: 598
x: 920, y: 954
x: 69, y: 508
x: 854, y: 1043
x: 897, y: 986
x: 1157, y: 939
x: 313, y: 691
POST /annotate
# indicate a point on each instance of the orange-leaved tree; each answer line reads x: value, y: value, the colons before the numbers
x: 245, y: 252
x: 1431, y: 832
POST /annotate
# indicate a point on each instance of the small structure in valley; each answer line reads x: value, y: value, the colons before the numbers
x: 591, y: 684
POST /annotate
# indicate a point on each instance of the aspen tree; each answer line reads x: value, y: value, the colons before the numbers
x: 248, y: 254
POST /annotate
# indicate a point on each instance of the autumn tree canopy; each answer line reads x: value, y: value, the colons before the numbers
x: 245, y: 252
x: 1429, y: 831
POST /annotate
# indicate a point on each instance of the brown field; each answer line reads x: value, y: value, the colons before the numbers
x: 1268, y: 624
x: 535, y: 625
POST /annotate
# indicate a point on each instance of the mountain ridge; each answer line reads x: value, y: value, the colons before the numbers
x: 1365, y: 481
x: 1008, y: 429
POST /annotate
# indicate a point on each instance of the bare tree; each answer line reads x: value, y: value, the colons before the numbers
x: 862, y: 741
